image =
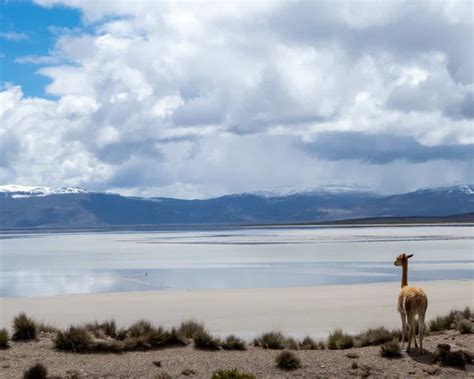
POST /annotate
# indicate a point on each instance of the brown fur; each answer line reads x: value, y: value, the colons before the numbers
x: 412, y: 302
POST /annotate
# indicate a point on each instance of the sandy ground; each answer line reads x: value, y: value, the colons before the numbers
x: 315, y: 311
x: 366, y: 362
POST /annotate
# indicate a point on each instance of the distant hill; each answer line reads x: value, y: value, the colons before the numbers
x: 42, y: 207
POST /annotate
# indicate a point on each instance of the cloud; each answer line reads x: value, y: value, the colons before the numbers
x: 14, y: 36
x: 38, y: 59
x: 180, y: 99
x: 383, y: 148
x: 404, y: 29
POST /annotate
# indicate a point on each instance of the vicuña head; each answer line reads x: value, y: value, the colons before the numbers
x: 402, y: 259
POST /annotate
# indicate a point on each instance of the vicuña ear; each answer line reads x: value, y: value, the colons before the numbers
x: 409, y: 256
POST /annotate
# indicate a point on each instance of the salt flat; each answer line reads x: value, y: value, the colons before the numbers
x: 49, y: 264
x: 246, y: 312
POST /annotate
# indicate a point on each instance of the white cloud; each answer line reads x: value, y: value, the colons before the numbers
x: 184, y: 99
x: 38, y: 59
x: 14, y: 36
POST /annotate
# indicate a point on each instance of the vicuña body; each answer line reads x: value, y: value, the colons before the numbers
x: 412, y: 302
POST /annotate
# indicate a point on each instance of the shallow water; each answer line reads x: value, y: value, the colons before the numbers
x: 62, y: 263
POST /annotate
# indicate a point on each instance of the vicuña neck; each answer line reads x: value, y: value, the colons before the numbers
x: 405, y: 275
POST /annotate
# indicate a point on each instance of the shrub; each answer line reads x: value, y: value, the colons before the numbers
x: 390, y: 349
x: 190, y: 328
x: 231, y: 374
x: 37, y: 371
x: 466, y: 313
x: 464, y: 326
x: 204, y: 341
x: 271, y: 340
x: 121, y: 334
x: 287, y: 360
x: 76, y: 339
x: 100, y: 330
x: 309, y: 344
x: 142, y: 335
x: 24, y: 328
x: 4, y: 337
x: 339, y: 340
x: 46, y: 328
x: 233, y: 343
x: 157, y: 337
x: 140, y: 329
x: 291, y: 344
x: 449, y: 321
x: 174, y: 338
x: 376, y: 336
x: 441, y: 323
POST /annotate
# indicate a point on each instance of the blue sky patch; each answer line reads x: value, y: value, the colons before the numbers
x: 30, y: 30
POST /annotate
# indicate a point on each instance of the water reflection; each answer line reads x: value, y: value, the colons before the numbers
x: 54, y: 264
x: 35, y: 283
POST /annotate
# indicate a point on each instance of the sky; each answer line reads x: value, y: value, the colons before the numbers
x: 199, y: 99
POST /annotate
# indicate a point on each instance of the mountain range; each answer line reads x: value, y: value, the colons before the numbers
x: 44, y: 207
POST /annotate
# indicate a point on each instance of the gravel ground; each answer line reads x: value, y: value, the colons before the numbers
x: 315, y: 364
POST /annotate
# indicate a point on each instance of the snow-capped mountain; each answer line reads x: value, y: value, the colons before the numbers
x: 17, y: 191
x: 327, y: 189
x: 27, y: 207
x: 460, y: 188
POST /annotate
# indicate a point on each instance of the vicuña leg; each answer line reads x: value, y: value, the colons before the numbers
x: 404, y: 327
x: 421, y: 329
x: 415, y: 326
x: 411, y: 330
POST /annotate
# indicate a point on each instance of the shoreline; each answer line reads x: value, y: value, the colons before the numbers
x: 296, y: 311
x: 206, y: 227
x: 414, y: 283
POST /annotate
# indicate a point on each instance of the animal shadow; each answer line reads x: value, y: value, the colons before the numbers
x: 426, y: 356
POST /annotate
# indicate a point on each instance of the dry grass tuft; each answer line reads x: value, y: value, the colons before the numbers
x: 140, y: 329
x: 308, y: 343
x: 450, y: 321
x: 233, y: 343
x: 102, y: 330
x: 189, y: 328
x: 76, y: 339
x: 375, y: 336
x: 46, y: 328
x: 37, y: 371
x: 24, y: 328
x: 203, y: 340
x: 287, y: 360
x: 271, y: 340
x: 4, y: 337
x: 464, y: 326
x: 338, y: 340
x: 391, y: 349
